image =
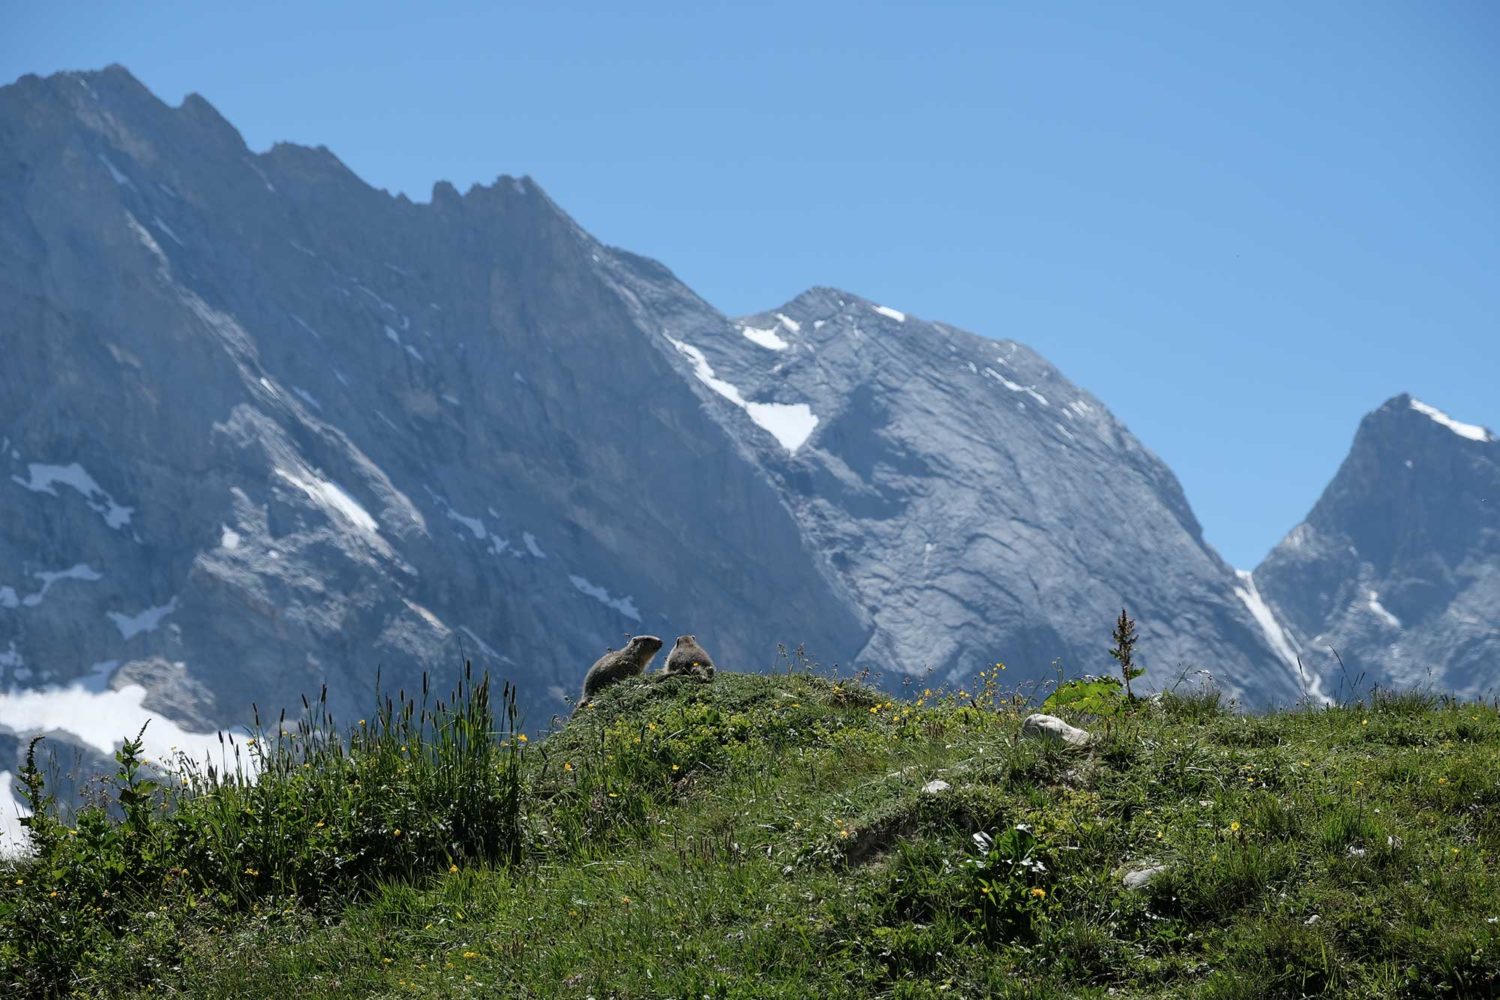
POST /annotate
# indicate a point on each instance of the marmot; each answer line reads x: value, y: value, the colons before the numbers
x: 687, y: 657
x: 616, y: 665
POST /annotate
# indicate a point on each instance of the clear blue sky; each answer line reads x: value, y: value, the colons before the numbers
x: 1243, y: 226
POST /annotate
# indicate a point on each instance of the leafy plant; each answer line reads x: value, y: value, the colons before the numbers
x: 1092, y: 695
x: 1007, y: 875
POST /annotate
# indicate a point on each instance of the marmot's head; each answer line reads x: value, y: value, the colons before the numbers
x: 687, y: 640
x: 644, y: 645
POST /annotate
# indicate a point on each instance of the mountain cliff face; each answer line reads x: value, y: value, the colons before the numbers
x: 972, y: 502
x: 1398, y: 565
x: 265, y: 428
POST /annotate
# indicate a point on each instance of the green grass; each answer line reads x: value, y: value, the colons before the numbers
x: 766, y: 836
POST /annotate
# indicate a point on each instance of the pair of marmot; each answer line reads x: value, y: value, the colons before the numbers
x: 687, y: 657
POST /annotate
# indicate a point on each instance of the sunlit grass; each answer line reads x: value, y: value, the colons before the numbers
x: 769, y: 836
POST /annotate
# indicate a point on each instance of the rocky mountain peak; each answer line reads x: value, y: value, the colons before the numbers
x: 1398, y: 563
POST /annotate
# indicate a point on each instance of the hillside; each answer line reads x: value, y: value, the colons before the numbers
x: 777, y: 836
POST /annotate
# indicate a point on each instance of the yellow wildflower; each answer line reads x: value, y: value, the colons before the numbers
x: 453, y: 869
x: 1039, y: 892
x: 1234, y: 827
x: 567, y: 765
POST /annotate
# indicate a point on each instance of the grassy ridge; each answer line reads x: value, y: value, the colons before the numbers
x: 769, y: 836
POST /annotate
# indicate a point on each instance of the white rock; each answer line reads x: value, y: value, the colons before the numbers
x: 1139, y: 878
x: 936, y: 787
x: 1053, y: 730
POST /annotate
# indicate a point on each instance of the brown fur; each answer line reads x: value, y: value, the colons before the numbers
x: 687, y: 657
x: 617, y: 665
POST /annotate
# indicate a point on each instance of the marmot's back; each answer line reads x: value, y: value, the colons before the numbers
x: 687, y: 657
x: 616, y: 666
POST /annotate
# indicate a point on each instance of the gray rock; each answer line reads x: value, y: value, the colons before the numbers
x: 1398, y: 564
x: 1141, y: 876
x: 1051, y: 729
x: 937, y: 786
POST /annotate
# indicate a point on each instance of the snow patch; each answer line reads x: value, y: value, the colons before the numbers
x: 789, y: 323
x: 624, y: 605
x: 791, y: 424
x: 145, y: 238
x: 146, y: 621
x: 888, y: 312
x: 382, y: 302
x: 114, y: 172
x: 765, y: 338
x: 307, y: 397
x: 427, y: 616
x: 228, y: 538
x: 473, y: 524
x: 12, y: 834
x: 532, y: 546
x: 44, y: 477
x: 303, y: 323
x: 1471, y: 431
x: 484, y: 647
x: 1380, y: 611
x: 333, y: 500
x: 156, y: 221
x: 78, y: 571
x: 1016, y: 386
x: 1275, y: 633
x: 1079, y: 407
x: 100, y: 717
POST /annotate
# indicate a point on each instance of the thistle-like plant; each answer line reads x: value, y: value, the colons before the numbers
x: 1124, y: 639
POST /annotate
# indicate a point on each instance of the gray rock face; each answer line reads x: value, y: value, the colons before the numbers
x: 970, y: 503
x: 1398, y: 564
x: 263, y: 427
x: 271, y: 428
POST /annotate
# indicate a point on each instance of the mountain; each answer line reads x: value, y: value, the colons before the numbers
x: 264, y: 427
x: 1397, y: 566
x: 971, y: 500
